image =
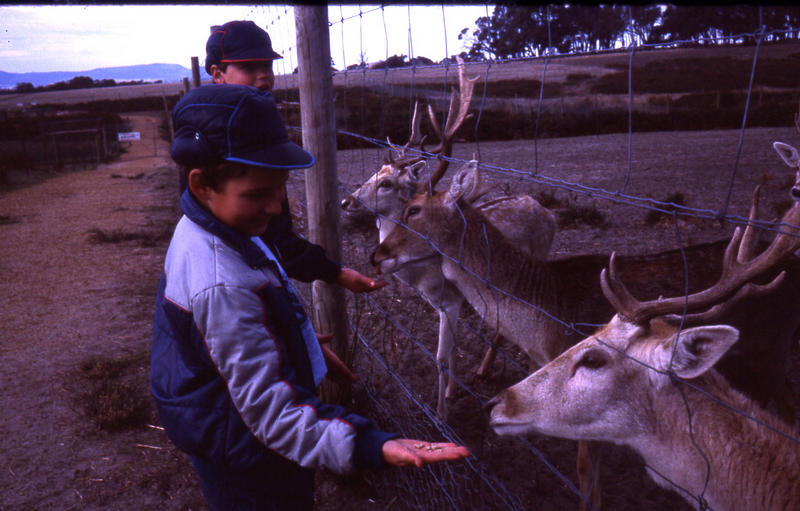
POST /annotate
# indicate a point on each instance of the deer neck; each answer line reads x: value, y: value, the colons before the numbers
x: 481, y: 255
x: 751, y: 467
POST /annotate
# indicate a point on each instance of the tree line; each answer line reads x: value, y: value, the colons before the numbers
x: 78, y: 82
x: 516, y: 31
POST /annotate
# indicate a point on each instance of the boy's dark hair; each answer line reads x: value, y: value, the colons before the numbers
x: 217, y: 174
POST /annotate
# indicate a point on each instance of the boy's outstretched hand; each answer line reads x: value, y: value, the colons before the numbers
x: 402, y: 452
x: 358, y: 283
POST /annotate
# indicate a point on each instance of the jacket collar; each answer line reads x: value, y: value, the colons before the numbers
x: 252, y: 255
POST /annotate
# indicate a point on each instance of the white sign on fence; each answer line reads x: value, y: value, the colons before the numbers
x: 127, y: 136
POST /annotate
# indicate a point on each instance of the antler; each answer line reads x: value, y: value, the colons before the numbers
x: 738, y: 270
x: 458, y: 113
x: 414, y: 140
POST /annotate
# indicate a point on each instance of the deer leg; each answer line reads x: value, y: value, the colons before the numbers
x: 488, y: 358
x: 448, y: 315
x: 588, y: 465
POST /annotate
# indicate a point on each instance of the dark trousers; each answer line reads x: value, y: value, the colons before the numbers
x: 226, y: 489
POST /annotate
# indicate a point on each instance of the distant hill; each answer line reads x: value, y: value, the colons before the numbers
x: 146, y: 72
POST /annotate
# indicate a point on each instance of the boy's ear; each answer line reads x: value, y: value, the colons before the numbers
x: 217, y: 76
x: 197, y: 184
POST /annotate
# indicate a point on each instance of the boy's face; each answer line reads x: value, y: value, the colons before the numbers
x: 256, y: 74
x: 246, y: 203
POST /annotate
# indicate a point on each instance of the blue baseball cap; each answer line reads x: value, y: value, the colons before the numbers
x: 235, y: 123
x: 238, y: 41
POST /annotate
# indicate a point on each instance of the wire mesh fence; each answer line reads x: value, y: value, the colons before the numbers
x: 395, y: 336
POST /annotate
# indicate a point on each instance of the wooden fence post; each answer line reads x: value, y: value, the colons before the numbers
x: 319, y: 138
x: 195, y: 72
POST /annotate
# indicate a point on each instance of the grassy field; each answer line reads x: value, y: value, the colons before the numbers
x: 566, y: 75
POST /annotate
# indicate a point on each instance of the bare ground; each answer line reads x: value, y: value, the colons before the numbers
x: 81, y: 253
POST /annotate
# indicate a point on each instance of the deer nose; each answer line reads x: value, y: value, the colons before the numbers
x: 488, y: 405
x: 375, y: 259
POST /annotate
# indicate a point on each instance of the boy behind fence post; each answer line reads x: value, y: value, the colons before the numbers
x: 235, y: 362
x: 240, y: 52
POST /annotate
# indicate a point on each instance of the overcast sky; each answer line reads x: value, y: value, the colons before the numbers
x: 84, y: 37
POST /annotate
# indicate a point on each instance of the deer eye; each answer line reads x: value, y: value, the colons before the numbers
x: 591, y: 360
x: 385, y: 184
x: 413, y: 210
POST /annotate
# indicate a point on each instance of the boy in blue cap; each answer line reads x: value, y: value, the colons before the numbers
x: 240, y: 52
x: 235, y: 362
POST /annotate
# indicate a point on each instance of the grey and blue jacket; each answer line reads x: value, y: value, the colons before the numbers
x: 230, y: 372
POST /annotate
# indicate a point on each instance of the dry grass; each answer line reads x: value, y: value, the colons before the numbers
x: 113, y: 392
x: 144, y: 238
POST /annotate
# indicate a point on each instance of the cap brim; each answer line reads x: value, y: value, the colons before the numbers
x: 255, y: 56
x: 284, y: 156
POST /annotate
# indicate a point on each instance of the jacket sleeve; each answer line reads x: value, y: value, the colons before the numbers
x: 301, y: 259
x: 284, y: 416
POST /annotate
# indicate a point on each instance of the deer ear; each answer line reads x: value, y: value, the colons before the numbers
x: 787, y: 153
x: 415, y: 171
x: 699, y: 348
x: 465, y: 182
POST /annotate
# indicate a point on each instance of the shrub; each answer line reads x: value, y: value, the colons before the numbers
x: 573, y: 216
x: 653, y: 216
x: 110, y: 394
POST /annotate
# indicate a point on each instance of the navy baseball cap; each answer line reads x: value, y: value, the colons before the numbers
x: 235, y: 123
x: 238, y: 41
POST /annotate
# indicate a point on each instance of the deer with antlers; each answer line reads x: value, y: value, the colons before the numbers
x: 647, y: 380
x: 535, y: 303
x: 382, y: 197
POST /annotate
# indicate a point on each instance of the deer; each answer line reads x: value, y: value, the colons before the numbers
x: 382, y: 197
x: 645, y: 378
x: 791, y: 157
x: 535, y: 304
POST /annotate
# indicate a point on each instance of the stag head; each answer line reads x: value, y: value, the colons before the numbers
x: 592, y: 382
x: 429, y: 221
x: 593, y: 379
x: 403, y: 174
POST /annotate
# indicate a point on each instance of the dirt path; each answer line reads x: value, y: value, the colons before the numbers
x: 67, y: 299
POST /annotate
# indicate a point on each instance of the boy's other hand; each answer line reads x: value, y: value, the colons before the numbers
x: 402, y: 452
x: 337, y: 370
x: 358, y: 283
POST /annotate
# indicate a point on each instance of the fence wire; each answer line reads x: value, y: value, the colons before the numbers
x: 394, y: 351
